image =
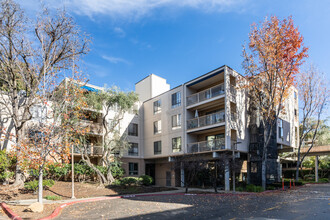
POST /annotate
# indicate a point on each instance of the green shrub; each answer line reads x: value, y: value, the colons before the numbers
x: 7, y: 165
x: 53, y: 197
x: 253, y: 188
x: 323, y: 180
x: 129, y: 181
x: 33, y: 185
x: 270, y: 187
x: 240, y: 189
x: 146, y: 180
x: 117, y: 183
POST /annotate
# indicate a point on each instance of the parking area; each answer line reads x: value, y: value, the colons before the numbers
x: 308, y: 202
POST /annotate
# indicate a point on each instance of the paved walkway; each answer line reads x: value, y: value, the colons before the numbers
x: 309, y: 202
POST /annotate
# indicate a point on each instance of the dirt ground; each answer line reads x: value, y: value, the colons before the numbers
x: 82, y: 190
x: 20, y: 211
x: 63, y: 189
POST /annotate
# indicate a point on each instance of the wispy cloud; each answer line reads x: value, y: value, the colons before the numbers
x: 120, y: 32
x: 133, y: 9
x: 115, y: 60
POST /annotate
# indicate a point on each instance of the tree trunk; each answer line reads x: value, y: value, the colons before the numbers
x: 110, y: 178
x: 297, y: 168
x: 40, y: 185
x: 19, y: 177
x: 263, y: 173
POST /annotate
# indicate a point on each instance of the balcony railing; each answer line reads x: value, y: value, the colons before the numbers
x: 94, y: 127
x: 90, y: 150
x: 205, y: 146
x: 211, y: 119
x: 206, y: 94
x: 232, y: 93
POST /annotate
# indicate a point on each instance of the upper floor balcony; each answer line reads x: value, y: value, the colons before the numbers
x: 93, y: 127
x: 205, y: 146
x: 206, y: 94
x: 90, y: 150
x: 206, y: 120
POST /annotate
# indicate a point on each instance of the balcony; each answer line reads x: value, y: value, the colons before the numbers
x: 206, y: 94
x: 211, y: 119
x: 90, y: 150
x: 232, y: 94
x: 205, y: 146
x: 94, y: 127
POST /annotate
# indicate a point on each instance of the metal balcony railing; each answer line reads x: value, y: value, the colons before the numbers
x: 94, y: 127
x: 206, y: 94
x: 204, y: 146
x: 211, y: 119
x: 91, y: 150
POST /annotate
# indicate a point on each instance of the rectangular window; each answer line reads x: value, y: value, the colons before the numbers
x: 295, y: 113
x: 176, y: 144
x: 157, y: 106
x: 157, y: 127
x: 133, y: 129
x: 133, y: 168
x: 176, y: 121
x: 157, y: 147
x: 133, y: 150
x: 280, y: 128
x: 295, y: 95
x: 176, y: 99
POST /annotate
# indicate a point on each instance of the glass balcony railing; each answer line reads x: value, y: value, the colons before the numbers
x: 211, y: 119
x: 206, y: 94
x: 204, y: 146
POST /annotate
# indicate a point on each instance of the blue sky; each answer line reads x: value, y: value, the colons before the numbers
x: 180, y: 40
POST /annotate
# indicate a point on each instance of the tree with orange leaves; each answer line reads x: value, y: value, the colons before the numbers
x: 275, y: 53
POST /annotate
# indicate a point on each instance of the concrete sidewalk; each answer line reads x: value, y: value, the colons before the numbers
x: 27, y: 202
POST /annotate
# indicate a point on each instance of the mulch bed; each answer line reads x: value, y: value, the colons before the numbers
x: 63, y: 189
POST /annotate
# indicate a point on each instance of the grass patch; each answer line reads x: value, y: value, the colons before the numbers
x: 53, y: 197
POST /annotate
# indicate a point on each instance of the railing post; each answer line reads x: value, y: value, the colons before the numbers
x: 198, y: 148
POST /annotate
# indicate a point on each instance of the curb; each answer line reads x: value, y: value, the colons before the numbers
x: 58, y: 210
x: 9, y: 212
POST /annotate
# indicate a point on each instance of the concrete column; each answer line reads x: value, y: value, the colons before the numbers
x: 182, y: 176
x: 316, y: 169
x: 248, y: 170
x: 227, y: 172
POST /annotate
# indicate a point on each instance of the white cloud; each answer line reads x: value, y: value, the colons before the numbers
x: 115, y: 60
x: 133, y: 9
x: 120, y: 32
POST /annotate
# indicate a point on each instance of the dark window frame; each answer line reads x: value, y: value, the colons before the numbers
x: 175, y: 147
x: 157, y: 106
x: 133, y: 169
x: 157, y: 147
x: 176, y: 99
x: 131, y: 151
x: 176, y: 121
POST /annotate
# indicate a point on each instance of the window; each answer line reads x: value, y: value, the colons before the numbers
x: 176, y: 99
x: 295, y: 113
x: 133, y: 168
x: 280, y: 128
x: 157, y: 106
x: 295, y: 95
x: 176, y: 144
x: 133, y: 129
x: 157, y: 147
x: 157, y: 127
x: 133, y: 150
x: 176, y: 121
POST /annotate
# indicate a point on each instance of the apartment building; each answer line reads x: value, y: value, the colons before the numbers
x: 208, y: 116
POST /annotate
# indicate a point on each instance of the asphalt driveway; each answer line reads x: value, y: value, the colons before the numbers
x: 308, y: 202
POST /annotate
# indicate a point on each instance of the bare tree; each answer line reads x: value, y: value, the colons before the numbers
x: 29, y: 52
x: 314, y: 97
